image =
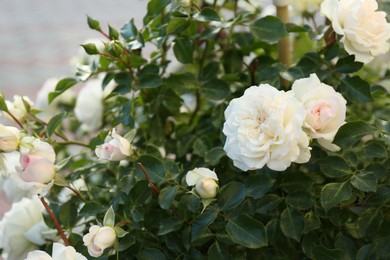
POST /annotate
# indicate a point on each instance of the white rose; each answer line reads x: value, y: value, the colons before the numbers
x: 309, y: 6
x: 264, y: 127
x: 17, y: 108
x: 9, y: 138
x: 205, y: 182
x: 325, y: 109
x: 22, y: 229
x: 42, y: 103
x: 60, y: 252
x: 98, y: 239
x: 364, y: 30
x: 115, y: 148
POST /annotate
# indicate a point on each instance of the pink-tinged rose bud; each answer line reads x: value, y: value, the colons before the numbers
x: 37, y: 170
x: 98, y: 239
x: 115, y: 148
x: 206, y: 188
x: 9, y: 138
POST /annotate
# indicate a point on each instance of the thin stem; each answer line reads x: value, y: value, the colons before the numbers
x: 78, y: 194
x: 55, y: 221
x: 105, y: 34
x: 15, y: 119
x: 150, y: 183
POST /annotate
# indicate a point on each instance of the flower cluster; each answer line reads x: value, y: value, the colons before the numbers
x: 271, y: 127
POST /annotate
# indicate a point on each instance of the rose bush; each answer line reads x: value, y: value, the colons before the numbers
x: 214, y: 142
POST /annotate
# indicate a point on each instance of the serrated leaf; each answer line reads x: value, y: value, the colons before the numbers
x: 365, y: 181
x: 150, y: 81
x: 356, y: 89
x: 68, y: 214
x: 208, y: 15
x: 201, y: 223
x: 167, y: 196
x: 177, y: 25
x: 183, y: 50
x: 258, y: 185
x: 218, y: 251
x: 215, y: 89
x: 55, y: 122
x: 334, y: 167
x: 335, y: 193
x: 231, y: 195
x: 169, y: 225
x: 268, y: 29
x: 214, y: 155
x: 348, y: 65
x: 311, y: 222
x: 247, y: 231
x: 93, y: 23
x: 292, y: 223
x: 109, y: 218
x: 92, y: 209
x: 3, y: 105
x: 323, y: 253
x: 352, y: 132
x: 61, y: 87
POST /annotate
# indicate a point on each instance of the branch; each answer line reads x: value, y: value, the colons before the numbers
x: 55, y: 221
x: 151, y: 185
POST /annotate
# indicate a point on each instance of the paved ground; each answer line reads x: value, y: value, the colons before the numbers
x: 39, y: 37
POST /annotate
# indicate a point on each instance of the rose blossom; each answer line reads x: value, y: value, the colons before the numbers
x: 98, y: 239
x: 115, y: 148
x: 22, y: 229
x: 325, y: 109
x: 364, y: 30
x: 205, y: 182
x: 9, y: 138
x: 264, y: 127
x: 60, y: 252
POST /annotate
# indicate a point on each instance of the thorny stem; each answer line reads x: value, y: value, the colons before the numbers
x: 55, y: 221
x: 150, y: 183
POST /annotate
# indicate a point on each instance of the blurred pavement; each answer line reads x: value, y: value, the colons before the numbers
x: 38, y: 38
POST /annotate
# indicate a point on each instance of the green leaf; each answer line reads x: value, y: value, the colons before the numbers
x: 335, y: 193
x: 268, y: 29
x: 60, y: 180
x: 177, y: 25
x: 91, y: 208
x: 311, y: 222
x: 3, y: 105
x: 334, y: 167
x: 90, y: 48
x: 352, y: 132
x: 348, y: 65
x: 218, y: 251
x: 365, y: 181
x: 300, y: 200
x: 68, y: 214
x: 93, y: 23
x: 231, y: 195
x: 257, y: 185
x: 155, y: 8
x: 323, y: 253
x: 109, y: 218
x: 120, y: 232
x: 246, y: 231
x: 214, y: 155
x: 61, y: 87
x: 208, y: 15
x: 183, y: 50
x: 292, y: 223
x: 232, y: 61
x: 201, y: 223
x: 215, y: 89
x: 55, y: 122
x: 167, y: 196
x: 150, y: 81
x: 356, y: 89
x: 151, y: 254
x: 375, y: 150
x: 169, y: 225
x: 210, y: 71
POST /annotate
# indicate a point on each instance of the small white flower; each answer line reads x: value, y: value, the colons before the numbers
x: 325, y: 109
x: 17, y: 107
x: 364, y: 30
x: 9, y: 138
x: 98, y: 239
x: 22, y: 229
x: 264, y: 127
x: 115, y: 148
x: 60, y: 252
x: 205, y: 182
x: 309, y: 6
x: 282, y: 2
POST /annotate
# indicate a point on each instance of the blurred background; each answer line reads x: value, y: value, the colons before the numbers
x: 39, y: 38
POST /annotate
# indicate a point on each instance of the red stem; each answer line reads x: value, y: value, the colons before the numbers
x: 151, y: 185
x: 105, y: 34
x: 55, y: 221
